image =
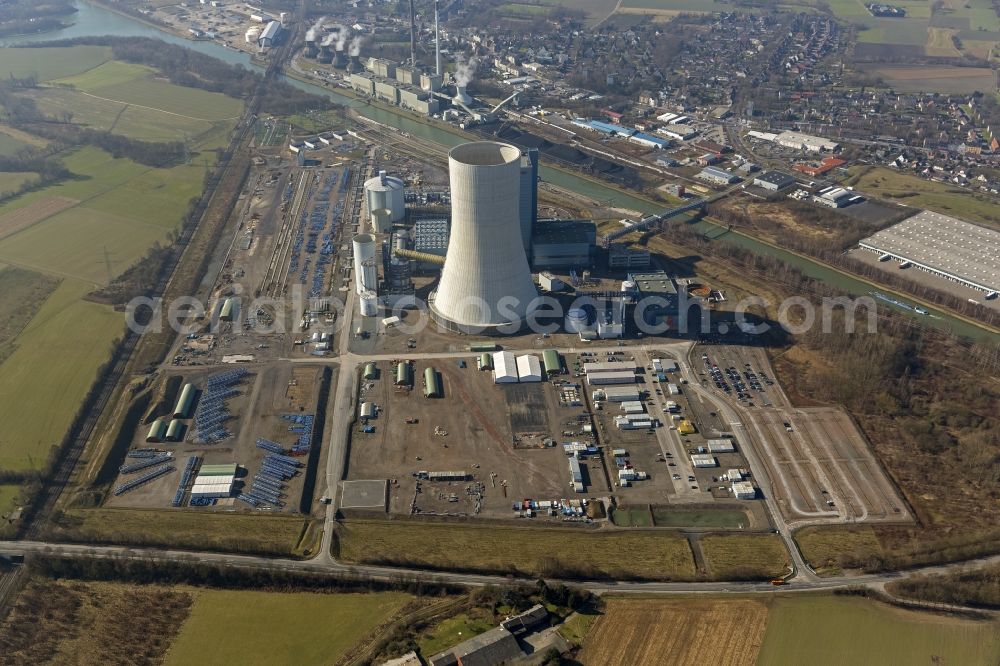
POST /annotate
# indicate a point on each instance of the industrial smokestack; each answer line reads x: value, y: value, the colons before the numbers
x: 437, y: 41
x: 413, y: 36
x: 486, y: 284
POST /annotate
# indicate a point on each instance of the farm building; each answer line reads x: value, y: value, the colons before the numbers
x: 504, y: 368
x: 722, y: 445
x: 612, y: 377
x: 157, y: 431
x: 552, y: 362
x: 703, y: 460
x: 744, y: 490
x: 432, y: 384
x: 529, y: 369
x: 182, y: 410
x: 496, y: 646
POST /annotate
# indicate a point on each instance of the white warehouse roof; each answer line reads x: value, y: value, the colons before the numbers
x: 504, y: 368
x: 529, y: 369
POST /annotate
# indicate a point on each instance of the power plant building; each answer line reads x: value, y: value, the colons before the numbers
x: 486, y: 285
x: 563, y: 244
x: 362, y: 83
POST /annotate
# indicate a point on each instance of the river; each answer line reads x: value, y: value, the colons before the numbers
x: 93, y: 20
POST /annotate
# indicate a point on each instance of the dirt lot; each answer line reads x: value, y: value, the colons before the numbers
x: 264, y: 396
x: 647, y: 632
x: 22, y: 218
x: 480, y: 419
x: 821, y: 465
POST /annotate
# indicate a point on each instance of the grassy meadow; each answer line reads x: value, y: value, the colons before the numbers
x: 265, y: 628
x: 49, y: 63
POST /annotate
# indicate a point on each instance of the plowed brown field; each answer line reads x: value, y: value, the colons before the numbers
x: 638, y: 632
x: 22, y: 218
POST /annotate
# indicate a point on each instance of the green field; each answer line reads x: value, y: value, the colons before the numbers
x: 842, y: 630
x: 848, y: 8
x: 11, y: 180
x: 918, y: 192
x: 21, y: 294
x: 8, y: 493
x: 713, y: 518
x: 112, y: 72
x: 48, y: 374
x: 744, y: 555
x: 10, y: 146
x: 266, y: 628
x: 270, y: 535
x: 51, y: 62
x: 527, y: 550
x: 451, y: 632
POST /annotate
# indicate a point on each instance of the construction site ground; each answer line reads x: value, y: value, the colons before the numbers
x: 480, y: 419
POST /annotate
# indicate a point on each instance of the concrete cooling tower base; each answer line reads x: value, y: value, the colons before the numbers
x: 486, y: 286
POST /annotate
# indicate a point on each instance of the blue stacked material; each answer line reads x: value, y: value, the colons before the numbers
x: 268, y: 445
x: 143, y: 453
x: 186, y: 475
x: 143, y: 463
x: 302, y: 425
x: 139, y: 480
x: 212, y: 411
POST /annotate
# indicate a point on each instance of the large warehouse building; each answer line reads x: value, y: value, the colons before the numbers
x: 944, y: 246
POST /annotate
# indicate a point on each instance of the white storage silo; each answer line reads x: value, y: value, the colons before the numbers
x: 485, y: 283
x: 369, y: 304
x: 365, y: 271
x: 385, y: 192
x: 381, y: 220
x: 576, y: 320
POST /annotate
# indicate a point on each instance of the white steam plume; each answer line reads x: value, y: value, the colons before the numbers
x: 315, y: 29
x: 355, y: 49
x: 464, y: 70
x: 343, y: 32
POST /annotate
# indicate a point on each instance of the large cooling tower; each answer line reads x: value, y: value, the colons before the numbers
x: 485, y: 283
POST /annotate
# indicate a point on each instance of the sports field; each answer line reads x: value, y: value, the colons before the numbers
x: 48, y: 374
x: 266, y: 628
x: 915, y: 191
x: 650, y: 632
x: 845, y: 630
x: 527, y: 550
x: 51, y: 62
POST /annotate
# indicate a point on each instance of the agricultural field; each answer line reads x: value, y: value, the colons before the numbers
x: 10, y: 181
x: 918, y: 192
x: 51, y: 62
x: 271, y: 535
x: 859, y: 631
x: 533, y: 551
x: 21, y: 294
x: 935, y: 78
x: 42, y: 387
x: 649, y: 632
x: 924, y: 32
x: 671, y: 516
x: 269, y: 628
x: 744, y: 555
x: 75, y: 622
x: 10, y: 146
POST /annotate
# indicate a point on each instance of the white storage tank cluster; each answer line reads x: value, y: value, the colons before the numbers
x: 385, y: 192
x: 365, y: 270
x: 576, y: 320
x: 369, y: 304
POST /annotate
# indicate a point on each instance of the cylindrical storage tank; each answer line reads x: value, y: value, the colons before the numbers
x: 486, y: 285
x: 576, y: 320
x: 386, y: 192
x: 369, y: 304
x: 368, y: 410
x: 432, y: 384
x: 365, y: 273
x: 182, y: 410
x: 382, y: 220
x: 371, y: 372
